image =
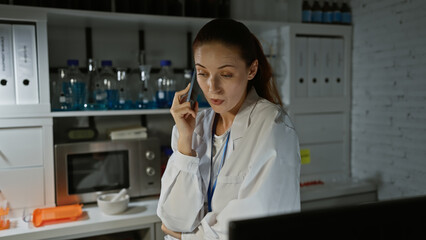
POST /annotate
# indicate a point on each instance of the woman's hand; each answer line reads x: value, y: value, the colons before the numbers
x: 184, y: 117
x: 167, y: 231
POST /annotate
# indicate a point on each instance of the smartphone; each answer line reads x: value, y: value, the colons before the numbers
x: 193, y: 93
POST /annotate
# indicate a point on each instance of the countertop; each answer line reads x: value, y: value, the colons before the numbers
x: 140, y: 214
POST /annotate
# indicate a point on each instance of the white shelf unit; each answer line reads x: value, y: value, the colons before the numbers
x: 60, y: 35
x: 26, y: 142
x: 322, y: 121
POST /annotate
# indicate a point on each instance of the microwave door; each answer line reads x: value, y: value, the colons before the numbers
x: 98, y: 172
x: 93, y: 168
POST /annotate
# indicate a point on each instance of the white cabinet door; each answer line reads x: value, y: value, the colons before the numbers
x: 23, y: 187
x: 21, y: 147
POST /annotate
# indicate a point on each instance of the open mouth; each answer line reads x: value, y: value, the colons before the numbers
x: 216, y: 101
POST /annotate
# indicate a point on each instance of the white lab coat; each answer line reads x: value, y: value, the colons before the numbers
x: 260, y: 176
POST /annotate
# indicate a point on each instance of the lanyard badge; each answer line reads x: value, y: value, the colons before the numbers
x: 211, y: 189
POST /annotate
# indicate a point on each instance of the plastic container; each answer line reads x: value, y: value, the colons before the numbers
x: 166, y: 85
x: 4, y: 212
x: 42, y: 216
x: 75, y: 87
x: 108, y: 78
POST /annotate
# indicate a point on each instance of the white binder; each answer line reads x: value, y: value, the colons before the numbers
x: 301, y: 71
x: 338, y: 82
x: 7, y: 81
x: 314, y: 45
x: 25, y: 55
x: 326, y: 61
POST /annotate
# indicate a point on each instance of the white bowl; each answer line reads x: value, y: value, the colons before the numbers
x: 108, y: 207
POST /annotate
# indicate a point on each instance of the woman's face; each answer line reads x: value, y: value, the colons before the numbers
x: 223, y: 76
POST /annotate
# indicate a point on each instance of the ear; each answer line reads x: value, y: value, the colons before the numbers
x: 253, y: 69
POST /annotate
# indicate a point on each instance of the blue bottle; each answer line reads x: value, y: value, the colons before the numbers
x: 346, y: 14
x: 327, y: 13
x: 306, y: 12
x: 316, y: 12
x: 75, y: 87
x: 337, y: 15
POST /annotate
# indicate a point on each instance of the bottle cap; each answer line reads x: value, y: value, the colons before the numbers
x: 106, y: 63
x: 165, y: 63
x: 72, y: 62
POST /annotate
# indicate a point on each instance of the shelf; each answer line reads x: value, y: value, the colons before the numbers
x: 109, y: 113
x: 140, y: 214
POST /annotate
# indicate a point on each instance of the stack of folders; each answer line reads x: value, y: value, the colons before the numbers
x: 129, y: 133
x: 18, y: 64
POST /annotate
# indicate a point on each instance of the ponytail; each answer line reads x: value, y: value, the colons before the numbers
x: 236, y: 34
x: 264, y: 81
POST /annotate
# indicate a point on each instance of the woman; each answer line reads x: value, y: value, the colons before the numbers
x: 238, y: 159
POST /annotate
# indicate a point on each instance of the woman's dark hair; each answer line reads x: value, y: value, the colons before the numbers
x: 236, y: 34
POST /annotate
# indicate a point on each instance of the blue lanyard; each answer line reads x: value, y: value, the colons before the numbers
x: 210, y: 192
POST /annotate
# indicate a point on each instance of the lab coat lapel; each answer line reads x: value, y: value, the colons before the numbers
x: 204, y: 134
x: 242, y: 119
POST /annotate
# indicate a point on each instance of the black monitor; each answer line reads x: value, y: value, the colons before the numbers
x: 392, y: 219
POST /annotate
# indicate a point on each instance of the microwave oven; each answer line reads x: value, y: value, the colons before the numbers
x: 84, y: 170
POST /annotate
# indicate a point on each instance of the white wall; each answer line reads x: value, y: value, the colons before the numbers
x: 389, y: 95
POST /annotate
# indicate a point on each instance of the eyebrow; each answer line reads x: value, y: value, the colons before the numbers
x: 223, y: 66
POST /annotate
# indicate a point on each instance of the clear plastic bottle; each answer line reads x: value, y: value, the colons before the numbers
x: 109, y: 81
x: 166, y: 85
x: 76, y: 87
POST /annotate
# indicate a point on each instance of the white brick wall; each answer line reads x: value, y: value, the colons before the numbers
x: 389, y: 95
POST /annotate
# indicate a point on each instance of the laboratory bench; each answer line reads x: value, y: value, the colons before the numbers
x: 141, y: 218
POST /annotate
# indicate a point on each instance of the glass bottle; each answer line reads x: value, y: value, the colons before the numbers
x: 109, y: 81
x: 98, y: 90
x: 63, y: 97
x: 123, y: 94
x: 166, y: 85
x: 144, y: 96
x: 76, y: 86
x: 92, y: 74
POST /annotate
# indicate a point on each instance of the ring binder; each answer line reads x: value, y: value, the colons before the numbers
x: 7, y: 81
x: 25, y: 59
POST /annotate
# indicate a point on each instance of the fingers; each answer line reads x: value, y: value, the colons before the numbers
x: 182, y: 110
x: 179, y: 96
